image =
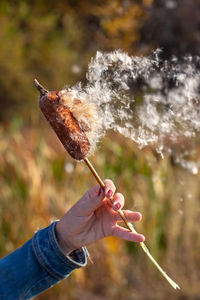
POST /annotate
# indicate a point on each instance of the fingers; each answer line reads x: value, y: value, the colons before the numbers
x: 118, y: 201
x: 94, y: 197
x: 130, y: 216
x: 125, y: 234
x: 119, y: 204
x: 109, y: 189
x: 98, y: 191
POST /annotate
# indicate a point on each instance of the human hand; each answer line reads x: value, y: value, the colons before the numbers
x: 94, y: 217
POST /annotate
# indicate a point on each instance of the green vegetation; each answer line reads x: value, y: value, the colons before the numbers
x: 37, y: 187
x: 54, y: 42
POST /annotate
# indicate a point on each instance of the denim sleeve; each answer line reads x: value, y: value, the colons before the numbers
x: 37, y: 265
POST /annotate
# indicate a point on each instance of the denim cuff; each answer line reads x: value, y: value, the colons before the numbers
x: 51, y: 257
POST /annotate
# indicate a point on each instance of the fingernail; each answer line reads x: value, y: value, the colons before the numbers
x: 117, y: 206
x: 99, y: 192
x: 109, y: 193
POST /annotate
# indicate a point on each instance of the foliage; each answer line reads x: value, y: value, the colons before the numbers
x: 173, y: 25
x: 54, y: 41
x: 38, y: 184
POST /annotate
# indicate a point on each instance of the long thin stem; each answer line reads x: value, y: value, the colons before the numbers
x: 131, y: 228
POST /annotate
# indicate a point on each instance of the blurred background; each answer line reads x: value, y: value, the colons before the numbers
x: 54, y: 41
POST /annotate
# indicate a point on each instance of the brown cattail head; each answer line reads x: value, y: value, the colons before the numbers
x: 71, y: 133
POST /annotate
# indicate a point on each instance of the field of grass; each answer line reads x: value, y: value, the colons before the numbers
x: 39, y: 182
x: 54, y: 42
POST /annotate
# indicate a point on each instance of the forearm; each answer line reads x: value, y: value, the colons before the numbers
x: 37, y: 265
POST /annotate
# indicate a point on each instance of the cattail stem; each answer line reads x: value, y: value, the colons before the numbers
x: 131, y: 228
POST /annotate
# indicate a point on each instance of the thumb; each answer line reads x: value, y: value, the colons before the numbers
x: 93, y: 199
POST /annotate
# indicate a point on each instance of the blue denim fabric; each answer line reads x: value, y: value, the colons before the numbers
x: 37, y: 265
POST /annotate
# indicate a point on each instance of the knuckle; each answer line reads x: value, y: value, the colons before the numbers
x: 89, y: 194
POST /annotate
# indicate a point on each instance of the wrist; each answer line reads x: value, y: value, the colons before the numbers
x: 64, y: 245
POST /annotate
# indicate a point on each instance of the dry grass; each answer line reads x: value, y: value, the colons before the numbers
x: 38, y: 184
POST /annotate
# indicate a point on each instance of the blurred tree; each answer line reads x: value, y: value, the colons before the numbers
x: 173, y: 25
x: 55, y: 40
